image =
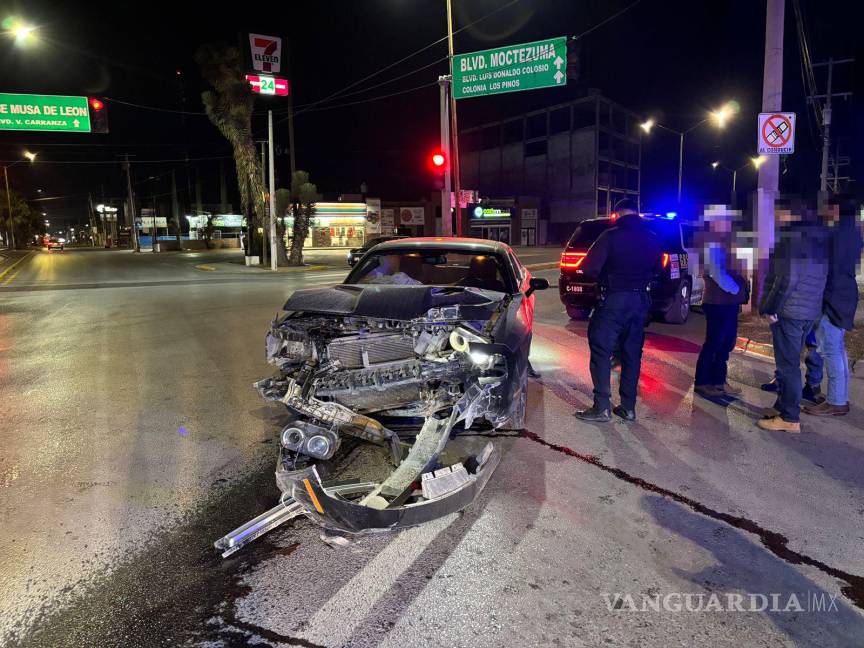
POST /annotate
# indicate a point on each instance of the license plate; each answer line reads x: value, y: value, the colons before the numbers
x: 578, y: 289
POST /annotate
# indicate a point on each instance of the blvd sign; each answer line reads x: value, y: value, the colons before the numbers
x: 26, y: 112
x: 541, y: 64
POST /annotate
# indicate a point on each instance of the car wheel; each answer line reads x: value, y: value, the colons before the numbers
x: 679, y: 310
x: 578, y: 312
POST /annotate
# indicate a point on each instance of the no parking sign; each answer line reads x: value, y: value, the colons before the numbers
x: 776, y: 133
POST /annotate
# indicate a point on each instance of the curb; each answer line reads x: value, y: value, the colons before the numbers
x: 6, y: 271
x: 548, y: 265
x: 755, y: 349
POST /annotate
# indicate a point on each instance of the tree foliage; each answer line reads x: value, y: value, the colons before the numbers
x: 26, y: 221
x: 229, y: 106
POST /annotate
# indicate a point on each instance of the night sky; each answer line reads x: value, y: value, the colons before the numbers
x: 672, y: 60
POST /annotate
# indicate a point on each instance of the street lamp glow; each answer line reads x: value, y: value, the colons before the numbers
x: 724, y: 114
x: 22, y: 32
x: 757, y: 161
x: 647, y: 125
x: 30, y: 156
x: 714, y: 165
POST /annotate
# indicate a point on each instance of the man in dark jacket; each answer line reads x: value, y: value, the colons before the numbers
x: 624, y: 259
x: 838, y: 310
x: 792, y: 302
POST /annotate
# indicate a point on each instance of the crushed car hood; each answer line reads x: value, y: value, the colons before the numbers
x: 393, y: 302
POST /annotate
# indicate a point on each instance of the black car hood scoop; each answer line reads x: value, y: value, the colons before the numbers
x: 391, y: 302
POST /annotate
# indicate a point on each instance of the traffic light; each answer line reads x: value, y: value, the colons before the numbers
x: 438, y: 166
x: 98, y: 115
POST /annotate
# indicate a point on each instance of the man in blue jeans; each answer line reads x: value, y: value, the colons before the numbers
x: 792, y: 302
x: 838, y: 306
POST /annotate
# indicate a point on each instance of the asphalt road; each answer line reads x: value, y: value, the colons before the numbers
x: 131, y: 439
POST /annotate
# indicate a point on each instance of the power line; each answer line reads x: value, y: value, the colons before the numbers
x: 607, y: 20
x: 200, y: 159
x: 370, y: 99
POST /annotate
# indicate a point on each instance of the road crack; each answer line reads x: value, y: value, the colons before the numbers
x: 775, y: 542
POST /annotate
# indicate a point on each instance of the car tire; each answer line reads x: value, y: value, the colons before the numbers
x: 578, y: 313
x: 679, y: 310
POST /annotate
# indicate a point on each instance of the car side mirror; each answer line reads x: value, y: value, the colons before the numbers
x: 536, y: 283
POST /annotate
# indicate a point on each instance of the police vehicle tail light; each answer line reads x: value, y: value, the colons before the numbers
x: 572, y: 260
x: 665, y: 259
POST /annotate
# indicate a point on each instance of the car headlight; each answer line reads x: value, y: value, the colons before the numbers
x: 318, y: 446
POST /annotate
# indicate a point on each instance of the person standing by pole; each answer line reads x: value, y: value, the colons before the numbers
x: 624, y: 259
x: 792, y: 302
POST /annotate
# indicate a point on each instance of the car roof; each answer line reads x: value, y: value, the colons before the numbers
x: 459, y: 244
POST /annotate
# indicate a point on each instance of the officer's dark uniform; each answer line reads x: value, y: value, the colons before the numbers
x: 624, y: 259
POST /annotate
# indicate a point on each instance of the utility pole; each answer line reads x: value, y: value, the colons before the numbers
x: 155, y: 244
x: 274, y: 265
x: 9, y: 207
x: 290, y: 107
x: 446, y: 217
x: 175, y: 211
x: 826, y: 119
x: 137, y: 245
x: 454, y: 126
x: 769, y: 171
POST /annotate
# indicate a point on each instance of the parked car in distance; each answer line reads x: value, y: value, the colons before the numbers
x: 671, y: 291
x: 355, y: 254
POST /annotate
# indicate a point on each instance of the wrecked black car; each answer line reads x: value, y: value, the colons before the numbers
x: 424, y: 338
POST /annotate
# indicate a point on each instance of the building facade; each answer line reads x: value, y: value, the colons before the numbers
x: 563, y: 164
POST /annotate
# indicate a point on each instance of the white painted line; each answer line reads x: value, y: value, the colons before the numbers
x: 337, y: 619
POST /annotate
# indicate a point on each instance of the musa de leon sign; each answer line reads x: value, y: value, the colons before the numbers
x: 541, y: 64
x: 27, y: 112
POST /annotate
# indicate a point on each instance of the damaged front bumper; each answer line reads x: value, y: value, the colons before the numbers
x: 354, y: 382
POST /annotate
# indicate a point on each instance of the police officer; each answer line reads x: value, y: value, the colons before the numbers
x: 624, y: 259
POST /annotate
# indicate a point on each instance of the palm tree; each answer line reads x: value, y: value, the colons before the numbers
x: 304, y: 194
x: 229, y: 106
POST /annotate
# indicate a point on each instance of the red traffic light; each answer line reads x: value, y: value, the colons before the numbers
x: 438, y: 159
x: 96, y: 104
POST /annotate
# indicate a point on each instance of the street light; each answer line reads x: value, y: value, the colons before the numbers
x: 30, y: 156
x: 720, y: 117
x: 758, y: 160
x: 22, y: 32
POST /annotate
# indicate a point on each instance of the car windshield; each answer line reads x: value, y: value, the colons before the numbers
x: 432, y: 268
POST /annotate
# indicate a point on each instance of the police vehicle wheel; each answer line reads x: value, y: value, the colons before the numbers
x: 577, y: 312
x: 680, y: 308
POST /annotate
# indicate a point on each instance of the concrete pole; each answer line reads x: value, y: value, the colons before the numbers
x: 264, y: 247
x: 769, y: 171
x: 9, y: 207
x: 446, y: 219
x: 273, y: 258
x: 453, y: 157
x: 137, y: 244
x: 680, y: 164
x: 826, y: 128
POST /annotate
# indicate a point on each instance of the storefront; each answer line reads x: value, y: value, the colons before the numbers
x: 528, y: 226
x: 490, y: 222
x: 335, y: 224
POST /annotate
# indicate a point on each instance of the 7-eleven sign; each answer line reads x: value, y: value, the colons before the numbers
x: 266, y: 52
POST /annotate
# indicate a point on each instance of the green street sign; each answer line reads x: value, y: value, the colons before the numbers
x: 541, y: 64
x: 26, y: 112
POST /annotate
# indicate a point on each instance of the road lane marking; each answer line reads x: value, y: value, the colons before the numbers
x: 334, y: 623
x: 6, y: 271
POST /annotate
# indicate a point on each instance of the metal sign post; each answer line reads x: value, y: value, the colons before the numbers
x: 446, y: 207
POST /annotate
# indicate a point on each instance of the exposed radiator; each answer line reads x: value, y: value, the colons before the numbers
x: 354, y: 351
